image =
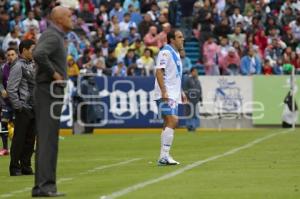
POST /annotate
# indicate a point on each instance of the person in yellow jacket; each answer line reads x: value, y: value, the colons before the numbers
x: 73, y: 69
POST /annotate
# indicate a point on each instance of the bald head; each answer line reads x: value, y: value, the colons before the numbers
x: 62, y: 17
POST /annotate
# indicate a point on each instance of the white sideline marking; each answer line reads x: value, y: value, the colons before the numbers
x: 13, y: 193
x: 109, y: 166
x: 141, y: 185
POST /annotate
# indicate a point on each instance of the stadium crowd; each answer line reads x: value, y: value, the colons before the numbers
x: 122, y: 38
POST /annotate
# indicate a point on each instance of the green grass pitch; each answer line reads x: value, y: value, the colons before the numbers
x: 93, y: 166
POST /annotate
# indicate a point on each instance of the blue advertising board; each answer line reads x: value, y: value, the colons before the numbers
x: 117, y: 103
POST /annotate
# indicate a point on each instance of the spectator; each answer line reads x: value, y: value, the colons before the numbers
x: 4, y: 24
x: 261, y: 41
x: 126, y: 24
x: 15, y: 9
x: 288, y: 38
x: 274, y: 51
x: 146, y: 62
x: 130, y: 58
x: 223, y: 29
x: 98, y: 63
x: 163, y: 34
x: 152, y: 40
x: 287, y: 17
x: 117, y: 11
x: 112, y: 24
x: 85, y: 59
x: 110, y: 61
x: 295, y: 26
x: 211, y: 52
x: 146, y: 5
x: 271, y: 27
x: 154, y: 12
x: 162, y: 19
x: 230, y: 64
x: 205, y: 18
x: 73, y: 69
x: 236, y: 17
x: 31, y: 35
x: 31, y: 21
x: 17, y: 22
x: 13, y: 36
x: 133, y: 35
x: 238, y: 48
x: 120, y: 69
x: 134, y: 3
x: 278, y: 67
x: 145, y: 25
x: 248, y: 20
x: 224, y: 47
x: 136, y: 17
x: 114, y: 38
x: 186, y: 62
x: 250, y: 63
x: 105, y: 47
x: 237, y: 36
x: 82, y: 26
x: 102, y: 18
x: 122, y: 48
x: 138, y: 47
x: 267, y: 67
x: 86, y: 14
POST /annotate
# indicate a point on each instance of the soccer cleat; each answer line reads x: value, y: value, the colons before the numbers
x: 165, y: 161
x: 4, y: 152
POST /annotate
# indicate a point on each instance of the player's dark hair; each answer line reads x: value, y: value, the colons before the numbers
x: 171, y: 35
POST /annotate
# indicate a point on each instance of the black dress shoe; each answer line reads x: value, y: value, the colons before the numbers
x: 27, y: 171
x: 15, y: 172
x: 48, y: 194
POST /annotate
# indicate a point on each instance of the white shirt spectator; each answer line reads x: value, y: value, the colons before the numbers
x: 31, y: 22
x: 9, y: 39
x: 124, y: 26
x: 295, y: 29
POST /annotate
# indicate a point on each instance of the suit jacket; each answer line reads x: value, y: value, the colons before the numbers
x: 50, y: 55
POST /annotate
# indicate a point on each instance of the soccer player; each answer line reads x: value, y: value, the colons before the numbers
x: 168, y: 92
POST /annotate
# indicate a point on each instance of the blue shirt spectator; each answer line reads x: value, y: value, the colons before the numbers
x: 117, y: 11
x: 250, y: 64
x: 134, y: 3
x: 120, y: 69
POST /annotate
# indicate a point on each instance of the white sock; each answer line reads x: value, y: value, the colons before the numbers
x: 166, y: 141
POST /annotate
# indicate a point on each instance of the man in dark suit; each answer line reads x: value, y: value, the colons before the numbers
x: 51, y: 59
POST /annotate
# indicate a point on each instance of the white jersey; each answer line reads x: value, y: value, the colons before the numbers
x: 172, y: 77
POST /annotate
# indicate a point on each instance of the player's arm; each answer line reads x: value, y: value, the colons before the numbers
x: 160, y: 79
x: 162, y: 61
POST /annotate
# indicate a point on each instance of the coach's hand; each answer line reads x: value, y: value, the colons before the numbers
x: 4, y: 94
x: 184, y: 99
x: 57, y: 76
